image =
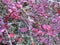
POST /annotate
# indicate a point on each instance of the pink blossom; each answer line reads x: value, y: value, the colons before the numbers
x: 46, y: 27
x: 50, y: 43
x: 54, y: 20
x: 23, y: 29
x: 42, y: 39
x: 6, y: 1
x: 15, y: 15
x: 33, y: 1
x: 12, y: 35
x: 23, y: 0
x: 40, y: 32
x: 18, y: 5
x: 10, y: 10
x: 35, y: 30
x: 49, y: 34
x: 56, y: 5
x: 20, y: 39
x: 2, y: 30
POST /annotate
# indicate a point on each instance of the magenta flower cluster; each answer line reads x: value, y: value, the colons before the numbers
x: 38, y: 19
